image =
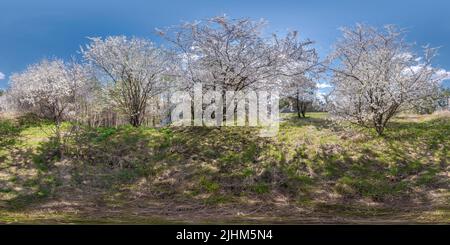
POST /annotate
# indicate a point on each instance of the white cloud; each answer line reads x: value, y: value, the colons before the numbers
x: 320, y: 96
x: 2, y: 76
x: 323, y: 85
x: 440, y: 75
x: 445, y: 75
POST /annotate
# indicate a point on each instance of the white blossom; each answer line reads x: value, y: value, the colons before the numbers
x: 376, y: 73
x: 134, y: 71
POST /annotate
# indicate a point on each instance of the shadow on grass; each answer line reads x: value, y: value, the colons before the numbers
x: 318, y: 120
x: 126, y: 166
x: 28, y: 178
x: 403, y: 166
x: 169, y: 157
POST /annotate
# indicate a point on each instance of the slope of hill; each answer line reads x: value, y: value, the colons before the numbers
x: 314, y: 171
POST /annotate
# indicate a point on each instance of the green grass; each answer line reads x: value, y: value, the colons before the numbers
x: 311, y: 161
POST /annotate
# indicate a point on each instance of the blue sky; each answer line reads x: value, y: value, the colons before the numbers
x: 32, y: 30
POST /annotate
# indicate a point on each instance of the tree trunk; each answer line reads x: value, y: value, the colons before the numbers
x: 379, y: 125
x: 379, y: 130
x: 58, y: 138
x: 297, y: 103
x: 135, y: 120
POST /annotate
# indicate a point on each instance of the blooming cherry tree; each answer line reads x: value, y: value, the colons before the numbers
x: 301, y: 91
x: 133, y: 70
x: 376, y: 74
x: 233, y: 54
x: 226, y: 54
x: 50, y: 87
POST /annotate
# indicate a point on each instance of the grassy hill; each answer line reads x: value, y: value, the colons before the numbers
x: 314, y: 171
